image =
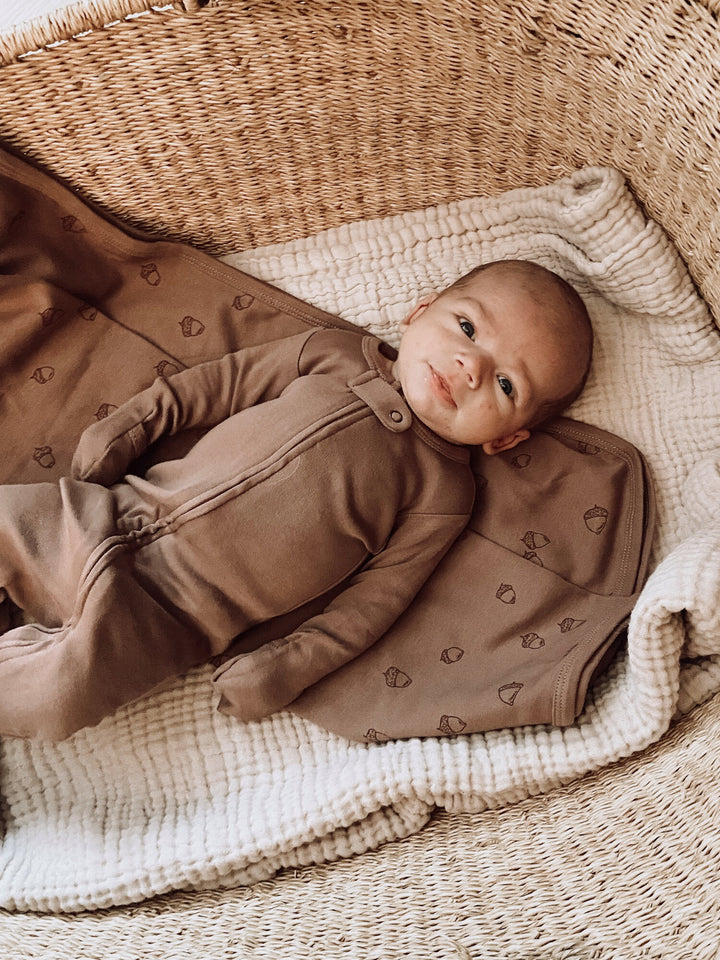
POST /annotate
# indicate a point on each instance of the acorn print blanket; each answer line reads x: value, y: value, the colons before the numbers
x: 168, y: 793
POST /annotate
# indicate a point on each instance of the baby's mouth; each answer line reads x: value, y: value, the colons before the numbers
x: 441, y: 387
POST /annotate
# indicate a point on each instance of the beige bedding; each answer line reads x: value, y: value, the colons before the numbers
x: 168, y: 794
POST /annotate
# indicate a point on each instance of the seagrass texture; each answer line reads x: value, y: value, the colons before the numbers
x: 623, y: 865
x: 243, y: 123
x: 69, y: 21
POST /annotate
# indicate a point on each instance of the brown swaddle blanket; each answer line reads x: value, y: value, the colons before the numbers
x: 523, y: 610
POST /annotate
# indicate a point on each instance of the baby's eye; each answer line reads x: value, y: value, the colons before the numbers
x: 505, y: 385
x: 467, y: 328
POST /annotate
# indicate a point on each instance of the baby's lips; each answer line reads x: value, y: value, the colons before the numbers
x: 442, y: 386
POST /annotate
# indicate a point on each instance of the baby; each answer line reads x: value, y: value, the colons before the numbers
x: 331, y: 464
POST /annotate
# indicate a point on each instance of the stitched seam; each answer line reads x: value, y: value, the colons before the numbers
x: 629, y: 461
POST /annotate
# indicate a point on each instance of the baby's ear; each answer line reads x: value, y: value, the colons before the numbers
x: 419, y: 307
x: 505, y: 443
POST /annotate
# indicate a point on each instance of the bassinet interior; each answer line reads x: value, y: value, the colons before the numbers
x: 232, y: 124
x: 237, y: 123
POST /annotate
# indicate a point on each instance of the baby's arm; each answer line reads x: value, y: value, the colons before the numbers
x: 257, y: 684
x: 201, y: 396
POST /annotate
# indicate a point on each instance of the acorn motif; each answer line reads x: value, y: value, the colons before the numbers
x: 532, y: 641
x: 533, y: 558
x: 534, y: 540
x: 44, y: 456
x: 149, y: 272
x: 450, y: 724
x: 521, y: 461
x: 508, y: 692
x: 43, y: 374
x: 595, y: 519
x: 88, y: 312
x: 72, y: 225
x: 452, y: 654
x: 506, y: 593
x: 243, y: 301
x: 394, y: 677
x: 375, y: 736
x: 191, y: 327
x: 104, y: 410
x: 569, y: 624
x: 51, y: 315
x: 166, y: 368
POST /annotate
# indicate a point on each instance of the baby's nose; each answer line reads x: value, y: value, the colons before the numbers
x: 474, y: 364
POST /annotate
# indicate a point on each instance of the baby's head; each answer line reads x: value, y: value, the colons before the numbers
x: 501, y: 350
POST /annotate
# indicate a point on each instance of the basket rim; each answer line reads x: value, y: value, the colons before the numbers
x: 34, y: 35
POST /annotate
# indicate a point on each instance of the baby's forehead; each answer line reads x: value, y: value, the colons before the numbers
x: 540, y: 308
x: 531, y: 292
x: 511, y: 278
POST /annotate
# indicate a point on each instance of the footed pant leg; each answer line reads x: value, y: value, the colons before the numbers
x: 47, y: 533
x: 119, y: 642
x: 101, y: 634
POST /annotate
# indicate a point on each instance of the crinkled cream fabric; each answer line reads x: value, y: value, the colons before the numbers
x: 168, y: 794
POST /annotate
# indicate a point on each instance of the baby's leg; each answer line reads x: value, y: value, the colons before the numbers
x: 47, y: 533
x: 120, y: 640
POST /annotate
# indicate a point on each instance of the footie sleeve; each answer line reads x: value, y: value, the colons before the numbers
x: 257, y: 684
x: 201, y: 396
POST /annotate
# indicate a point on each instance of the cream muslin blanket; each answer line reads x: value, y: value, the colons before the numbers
x: 169, y: 794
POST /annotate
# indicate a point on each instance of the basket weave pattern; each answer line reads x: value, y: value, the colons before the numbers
x: 245, y: 122
x: 239, y: 124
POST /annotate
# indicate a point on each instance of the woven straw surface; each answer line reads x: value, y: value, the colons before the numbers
x: 244, y: 123
x: 30, y: 26
x: 624, y: 865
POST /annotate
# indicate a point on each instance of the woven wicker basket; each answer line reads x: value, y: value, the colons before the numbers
x: 242, y: 122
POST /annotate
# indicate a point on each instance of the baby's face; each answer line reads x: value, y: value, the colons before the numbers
x: 476, y: 361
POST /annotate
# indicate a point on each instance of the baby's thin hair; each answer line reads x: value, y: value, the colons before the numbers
x: 577, y: 309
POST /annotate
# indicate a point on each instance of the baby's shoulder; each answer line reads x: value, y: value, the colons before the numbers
x: 333, y: 351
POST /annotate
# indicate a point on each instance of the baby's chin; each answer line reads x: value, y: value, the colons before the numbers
x: 444, y: 431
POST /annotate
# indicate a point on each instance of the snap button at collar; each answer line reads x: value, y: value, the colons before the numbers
x: 384, y: 401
